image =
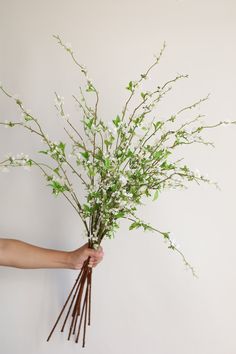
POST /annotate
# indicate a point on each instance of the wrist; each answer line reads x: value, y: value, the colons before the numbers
x: 61, y: 259
x: 70, y: 260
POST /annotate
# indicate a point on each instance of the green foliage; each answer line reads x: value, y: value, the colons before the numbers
x: 89, y: 123
x: 119, y: 164
x: 29, y: 162
x: 156, y: 195
x: 130, y: 86
x: 90, y: 87
x: 57, y: 187
x: 137, y: 224
x: 27, y: 117
x: 85, y: 154
x: 116, y: 121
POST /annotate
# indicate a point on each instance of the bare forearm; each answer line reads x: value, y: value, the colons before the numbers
x: 19, y: 254
x: 14, y: 253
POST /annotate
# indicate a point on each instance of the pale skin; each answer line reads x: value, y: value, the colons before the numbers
x: 19, y: 254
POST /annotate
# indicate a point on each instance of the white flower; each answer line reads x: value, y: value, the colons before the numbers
x: 123, y: 203
x: 123, y: 180
x: 111, y: 128
x: 6, y: 123
x: 197, y: 173
x: 174, y: 244
x: 68, y: 46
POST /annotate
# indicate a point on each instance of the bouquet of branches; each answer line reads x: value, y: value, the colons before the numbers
x: 118, y: 163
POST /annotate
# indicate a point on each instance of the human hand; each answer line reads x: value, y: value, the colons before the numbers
x: 78, y: 256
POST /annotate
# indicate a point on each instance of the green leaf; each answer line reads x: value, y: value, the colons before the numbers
x: 143, y: 95
x: 158, y: 125
x: 89, y: 123
x: 57, y: 187
x: 129, y: 153
x: 107, y: 142
x: 85, y: 155
x: 43, y: 152
x: 120, y: 215
x: 116, y: 121
x: 172, y: 118
x: 29, y: 162
x: 99, y: 155
x: 90, y: 87
x: 130, y: 86
x: 166, y: 235
x: 62, y: 146
x: 167, y: 166
x: 134, y: 225
x: 107, y: 163
x: 92, y: 171
x: 56, y: 170
x: 158, y: 154
x: 156, y: 194
x: 27, y: 117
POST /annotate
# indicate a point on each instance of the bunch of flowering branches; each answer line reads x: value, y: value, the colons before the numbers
x: 118, y: 163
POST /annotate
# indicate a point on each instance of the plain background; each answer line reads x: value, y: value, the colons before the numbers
x: 144, y: 301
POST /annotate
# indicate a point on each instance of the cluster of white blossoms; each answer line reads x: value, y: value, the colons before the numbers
x: 21, y: 159
x: 55, y: 150
x: 204, y: 177
x: 123, y: 180
x: 18, y: 160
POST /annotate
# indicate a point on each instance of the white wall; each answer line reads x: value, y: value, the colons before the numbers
x: 143, y: 299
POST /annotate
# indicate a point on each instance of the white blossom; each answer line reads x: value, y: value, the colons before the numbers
x: 123, y: 203
x: 123, y: 180
x: 6, y: 123
x: 174, y: 244
x: 197, y: 173
x: 111, y: 128
x: 68, y: 46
